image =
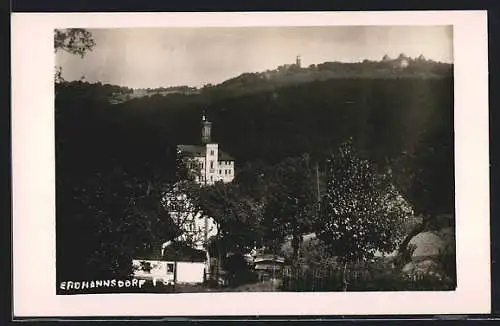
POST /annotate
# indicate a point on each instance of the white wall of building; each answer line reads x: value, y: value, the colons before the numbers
x: 163, y: 271
x: 190, y: 272
x: 213, y: 169
x: 211, y: 166
x: 225, y: 171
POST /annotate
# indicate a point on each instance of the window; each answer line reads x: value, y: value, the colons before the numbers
x: 202, y: 165
x: 225, y: 171
x: 170, y: 268
x: 212, y: 152
x: 211, y: 178
x: 229, y: 171
x: 220, y: 171
x: 211, y: 164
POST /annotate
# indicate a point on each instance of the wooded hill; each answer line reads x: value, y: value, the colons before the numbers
x: 108, y: 155
x: 399, y: 119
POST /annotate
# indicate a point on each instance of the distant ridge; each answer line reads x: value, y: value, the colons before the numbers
x: 294, y: 74
x: 290, y: 74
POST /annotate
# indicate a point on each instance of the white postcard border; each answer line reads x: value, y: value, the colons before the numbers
x: 34, y: 186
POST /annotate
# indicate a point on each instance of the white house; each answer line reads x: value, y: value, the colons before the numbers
x: 169, y: 272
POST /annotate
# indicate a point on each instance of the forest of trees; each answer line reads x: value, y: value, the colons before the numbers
x: 405, y: 125
x: 114, y: 163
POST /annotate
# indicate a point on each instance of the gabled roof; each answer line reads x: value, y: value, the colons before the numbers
x: 200, y: 151
x: 192, y: 150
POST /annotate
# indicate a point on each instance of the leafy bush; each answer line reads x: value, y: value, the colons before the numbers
x: 239, y: 272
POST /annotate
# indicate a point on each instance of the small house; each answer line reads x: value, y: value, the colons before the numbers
x: 169, y: 272
x: 268, y: 266
x: 179, y: 265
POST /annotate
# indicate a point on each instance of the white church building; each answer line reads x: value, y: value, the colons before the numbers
x: 213, y: 164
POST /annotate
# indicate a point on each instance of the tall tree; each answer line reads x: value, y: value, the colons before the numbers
x: 184, y: 214
x: 237, y: 215
x: 103, y: 221
x: 361, y: 211
x: 77, y: 41
x: 291, y: 204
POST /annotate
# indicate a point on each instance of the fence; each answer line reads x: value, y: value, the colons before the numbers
x: 360, y: 278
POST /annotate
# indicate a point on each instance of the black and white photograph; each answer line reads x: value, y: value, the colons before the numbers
x: 254, y: 159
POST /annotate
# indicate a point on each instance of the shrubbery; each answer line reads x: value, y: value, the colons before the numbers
x: 374, y: 278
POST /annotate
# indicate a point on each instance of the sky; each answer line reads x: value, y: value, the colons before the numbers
x: 162, y: 57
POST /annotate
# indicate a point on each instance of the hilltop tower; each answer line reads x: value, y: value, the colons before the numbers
x: 298, y: 61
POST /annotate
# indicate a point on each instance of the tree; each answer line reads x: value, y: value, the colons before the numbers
x: 291, y: 204
x: 106, y: 215
x: 237, y: 215
x: 426, y: 173
x: 361, y: 212
x: 77, y: 41
x: 73, y: 40
x: 103, y: 221
x: 184, y: 214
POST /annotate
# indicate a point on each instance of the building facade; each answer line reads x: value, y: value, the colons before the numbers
x: 209, y: 162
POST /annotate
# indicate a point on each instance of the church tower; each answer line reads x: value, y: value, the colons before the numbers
x: 206, y: 128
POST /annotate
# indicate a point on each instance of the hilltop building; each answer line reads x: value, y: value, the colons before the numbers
x: 402, y: 61
x: 298, y: 61
x: 421, y: 58
x: 210, y: 163
x: 386, y: 58
x: 288, y: 66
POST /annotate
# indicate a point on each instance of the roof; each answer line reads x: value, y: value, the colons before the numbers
x: 192, y: 150
x: 199, y: 150
x: 269, y: 258
x: 181, y: 253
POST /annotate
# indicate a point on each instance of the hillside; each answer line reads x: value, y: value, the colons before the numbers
x: 291, y: 74
x: 109, y: 155
x: 407, y: 121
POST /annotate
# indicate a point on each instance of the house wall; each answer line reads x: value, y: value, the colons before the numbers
x: 225, y: 171
x: 221, y: 171
x: 190, y: 272
x: 212, y: 153
x: 163, y: 271
x: 159, y: 270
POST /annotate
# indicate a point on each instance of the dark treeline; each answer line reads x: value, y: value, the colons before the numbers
x: 402, y: 123
x: 399, y: 120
